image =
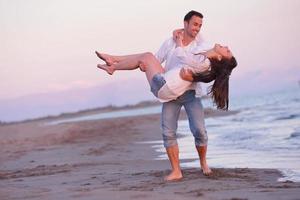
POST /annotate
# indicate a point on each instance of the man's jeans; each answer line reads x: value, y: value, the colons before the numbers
x: 195, y: 113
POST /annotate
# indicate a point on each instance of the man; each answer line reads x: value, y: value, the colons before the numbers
x: 191, y: 103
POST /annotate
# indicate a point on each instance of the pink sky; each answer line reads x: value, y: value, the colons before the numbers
x: 47, y: 46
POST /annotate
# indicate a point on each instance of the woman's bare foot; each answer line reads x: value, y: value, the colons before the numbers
x: 106, y: 58
x: 173, y: 176
x: 206, y: 170
x: 109, y: 69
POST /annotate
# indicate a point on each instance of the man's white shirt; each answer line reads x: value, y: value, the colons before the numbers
x: 167, y: 49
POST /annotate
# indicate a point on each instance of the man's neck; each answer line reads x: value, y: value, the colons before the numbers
x: 187, y: 39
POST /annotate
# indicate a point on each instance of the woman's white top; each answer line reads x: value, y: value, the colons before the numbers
x: 175, y: 85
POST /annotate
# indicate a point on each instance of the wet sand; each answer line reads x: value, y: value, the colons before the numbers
x: 106, y: 159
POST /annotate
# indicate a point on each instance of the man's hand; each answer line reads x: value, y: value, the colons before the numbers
x: 186, y: 74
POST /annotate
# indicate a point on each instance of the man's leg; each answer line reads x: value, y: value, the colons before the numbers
x: 202, y: 155
x: 173, y: 155
x: 169, y: 119
x: 195, y: 112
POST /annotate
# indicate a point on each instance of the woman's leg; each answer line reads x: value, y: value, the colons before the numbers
x: 112, y: 59
x: 130, y: 62
x: 146, y: 61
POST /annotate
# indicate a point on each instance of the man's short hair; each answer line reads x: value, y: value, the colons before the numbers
x: 190, y: 14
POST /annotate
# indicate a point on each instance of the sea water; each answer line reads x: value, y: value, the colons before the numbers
x: 108, y: 115
x: 264, y: 134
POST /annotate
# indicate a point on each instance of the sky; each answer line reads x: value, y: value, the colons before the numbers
x: 48, y: 65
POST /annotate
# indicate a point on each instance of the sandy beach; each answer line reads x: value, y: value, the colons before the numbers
x: 107, y: 159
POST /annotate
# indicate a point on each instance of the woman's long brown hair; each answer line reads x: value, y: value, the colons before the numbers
x: 220, y: 72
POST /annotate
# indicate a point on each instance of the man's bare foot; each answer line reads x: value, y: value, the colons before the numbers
x: 105, y: 57
x: 109, y: 69
x: 206, y: 170
x: 173, y: 176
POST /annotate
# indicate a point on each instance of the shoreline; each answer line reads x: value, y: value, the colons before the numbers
x: 104, y: 159
x: 91, y: 111
x: 87, y: 111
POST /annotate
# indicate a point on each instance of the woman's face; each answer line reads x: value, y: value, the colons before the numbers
x: 223, y: 51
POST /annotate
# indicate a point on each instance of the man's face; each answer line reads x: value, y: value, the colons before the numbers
x: 193, y: 27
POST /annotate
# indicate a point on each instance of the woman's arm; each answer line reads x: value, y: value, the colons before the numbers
x: 176, y: 33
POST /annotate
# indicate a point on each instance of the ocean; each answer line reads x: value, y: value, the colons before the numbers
x: 264, y: 134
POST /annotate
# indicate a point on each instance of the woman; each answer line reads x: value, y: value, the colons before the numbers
x: 215, y: 64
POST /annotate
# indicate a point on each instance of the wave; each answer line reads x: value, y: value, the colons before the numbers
x: 213, y: 125
x: 291, y: 116
x: 294, y: 135
x: 295, y: 100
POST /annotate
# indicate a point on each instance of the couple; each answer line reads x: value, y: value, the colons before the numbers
x: 187, y: 62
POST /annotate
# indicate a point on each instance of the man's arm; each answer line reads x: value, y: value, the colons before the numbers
x: 186, y: 74
x: 204, y: 77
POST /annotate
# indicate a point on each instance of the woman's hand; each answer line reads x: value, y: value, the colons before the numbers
x: 176, y: 33
x: 178, y: 37
x: 179, y: 40
x: 186, y: 74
